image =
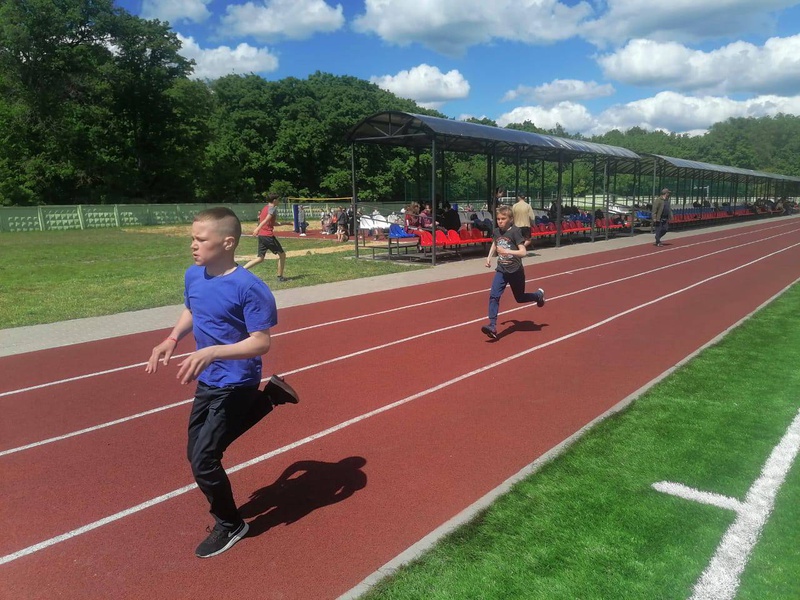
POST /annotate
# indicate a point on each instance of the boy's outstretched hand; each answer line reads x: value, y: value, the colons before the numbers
x: 194, y: 364
x: 161, y: 353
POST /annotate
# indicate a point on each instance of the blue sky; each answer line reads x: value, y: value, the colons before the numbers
x: 591, y: 66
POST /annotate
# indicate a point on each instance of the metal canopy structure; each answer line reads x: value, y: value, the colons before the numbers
x: 438, y: 135
x: 411, y: 130
x: 669, y: 166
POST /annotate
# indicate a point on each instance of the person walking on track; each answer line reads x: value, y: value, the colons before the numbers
x: 662, y: 213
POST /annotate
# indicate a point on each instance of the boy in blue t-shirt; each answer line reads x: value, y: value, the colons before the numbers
x: 510, y: 248
x: 230, y: 312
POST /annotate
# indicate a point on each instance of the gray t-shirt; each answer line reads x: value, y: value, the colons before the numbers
x: 510, y: 239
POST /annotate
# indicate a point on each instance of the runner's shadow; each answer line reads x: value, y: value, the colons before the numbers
x: 301, y: 489
x: 519, y: 326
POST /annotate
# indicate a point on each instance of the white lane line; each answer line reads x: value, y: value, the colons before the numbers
x: 71, y: 434
x: 415, y: 305
x: 720, y: 580
x: 382, y: 347
x: 164, y: 497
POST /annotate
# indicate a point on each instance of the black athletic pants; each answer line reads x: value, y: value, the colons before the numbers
x: 218, y: 417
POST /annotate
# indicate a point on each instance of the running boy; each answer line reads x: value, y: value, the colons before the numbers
x: 230, y: 312
x: 264, y: 231
x: 510, y: 248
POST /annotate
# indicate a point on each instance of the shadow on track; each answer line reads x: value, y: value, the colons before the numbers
x: 517, y: 327
x: 301, y: 489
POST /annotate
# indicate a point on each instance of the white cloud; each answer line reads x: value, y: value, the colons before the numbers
x: 737, y: 67
x: 212, y: 63
x: 682, y: 20
x: 176, y: 10
x: 451, y: 26
x: 671, y: 111
x: 667, y: 111
x: 281, y: 19
x: 571, y: 116
x: 560, y: 90
x: 425, y: 84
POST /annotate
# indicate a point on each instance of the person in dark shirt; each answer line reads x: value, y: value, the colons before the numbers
x: 509, y: 246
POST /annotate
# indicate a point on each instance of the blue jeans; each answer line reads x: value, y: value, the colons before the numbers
x: 661, y: 229
x: 517, y: 282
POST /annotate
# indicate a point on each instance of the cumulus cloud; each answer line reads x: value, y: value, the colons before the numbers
x: 571, y: 116
x: 666, y: 111
x: 281, y: 19
x: 176, y: 10
x: 682, y: 20
x: 451, y: 26
x: 212, y: 63
x: 679, y: 113
x: 425, y: 84
x: 737, y: 67
x: 559, y: 90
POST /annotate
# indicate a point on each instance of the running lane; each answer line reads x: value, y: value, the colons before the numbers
x: 327, y: 512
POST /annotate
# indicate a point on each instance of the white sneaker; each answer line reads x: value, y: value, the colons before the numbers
x: 302, y: 235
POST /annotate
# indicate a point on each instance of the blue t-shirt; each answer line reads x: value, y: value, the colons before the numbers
x: 224, y: 311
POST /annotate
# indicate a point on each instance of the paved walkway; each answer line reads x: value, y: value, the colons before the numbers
x: 39, y: 337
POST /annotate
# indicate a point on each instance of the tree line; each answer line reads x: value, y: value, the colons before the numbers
x: 98, y: 106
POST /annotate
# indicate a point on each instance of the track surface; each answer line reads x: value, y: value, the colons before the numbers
x: 408, y: 416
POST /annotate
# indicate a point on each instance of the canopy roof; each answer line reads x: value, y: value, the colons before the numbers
x: 681, y: 167
x: 411, y: 130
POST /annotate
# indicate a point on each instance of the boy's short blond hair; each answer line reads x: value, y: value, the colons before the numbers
x: 228, y: 224
x: 504, y: 210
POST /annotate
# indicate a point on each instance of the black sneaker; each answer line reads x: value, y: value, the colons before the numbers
x: 220, y: 540
x: 540, y: 301
x: 281, y: 278
x: 279, y: 392
x: 491, y: 333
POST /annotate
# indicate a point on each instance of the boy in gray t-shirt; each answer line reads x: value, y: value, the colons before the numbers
x: 509, y: 245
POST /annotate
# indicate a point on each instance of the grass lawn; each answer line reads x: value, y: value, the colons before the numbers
x: 59, y: 275
x: 589, y: 525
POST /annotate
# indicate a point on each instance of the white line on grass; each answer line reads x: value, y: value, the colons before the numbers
x: 710, y: 498
x: 164, y: 497
x: 380, y: 347
x: 720, y: 580
x: 410, y: 306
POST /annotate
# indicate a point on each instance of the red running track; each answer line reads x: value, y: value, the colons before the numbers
x: 408, y: 416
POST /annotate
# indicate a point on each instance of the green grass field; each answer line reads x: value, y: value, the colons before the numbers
x: 589, y: 525
x: 59, y: 275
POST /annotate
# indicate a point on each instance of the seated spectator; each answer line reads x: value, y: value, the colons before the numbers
x: 412, y: 217
x: 425, y: 218
x: 484, y: 225
x: 450, y: 218
x: 427, y: 222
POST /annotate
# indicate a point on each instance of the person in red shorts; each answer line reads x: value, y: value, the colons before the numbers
x: 265, y: 233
